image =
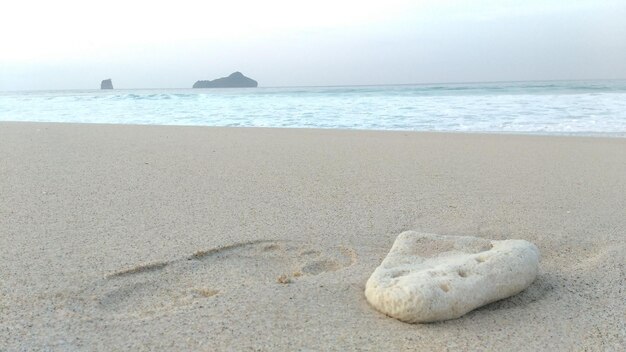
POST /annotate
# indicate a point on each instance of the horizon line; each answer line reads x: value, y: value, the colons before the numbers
x: 337, y: 85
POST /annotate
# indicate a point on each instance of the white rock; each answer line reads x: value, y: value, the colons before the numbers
x: 427, y: 277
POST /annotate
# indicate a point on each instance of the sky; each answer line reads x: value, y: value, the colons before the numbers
x: 74, y: 44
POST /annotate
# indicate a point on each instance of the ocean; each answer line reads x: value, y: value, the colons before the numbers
x: 552, y: 107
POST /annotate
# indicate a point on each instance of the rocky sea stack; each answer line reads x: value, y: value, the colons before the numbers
x: 235, y: 80
x: 106, y: 84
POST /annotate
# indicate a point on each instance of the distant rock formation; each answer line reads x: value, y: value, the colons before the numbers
x: 106, y: 84
x: 235, y: 80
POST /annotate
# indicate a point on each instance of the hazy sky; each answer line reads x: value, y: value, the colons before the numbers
x: 74, y: 44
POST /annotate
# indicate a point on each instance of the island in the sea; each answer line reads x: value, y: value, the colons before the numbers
x: 235, y: 80
x: 106, y: 84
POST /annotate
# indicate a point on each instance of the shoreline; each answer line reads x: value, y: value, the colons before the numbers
x: 486, y: 133
x: 117, y: 237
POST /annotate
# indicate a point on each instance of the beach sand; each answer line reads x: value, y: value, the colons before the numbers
x: 195, y: 238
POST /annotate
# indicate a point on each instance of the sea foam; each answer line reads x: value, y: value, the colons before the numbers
x: 576, y: 107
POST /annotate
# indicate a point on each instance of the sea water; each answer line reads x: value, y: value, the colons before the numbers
x: 555, y: 107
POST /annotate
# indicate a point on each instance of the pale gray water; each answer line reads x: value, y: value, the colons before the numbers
x: 577, y: 107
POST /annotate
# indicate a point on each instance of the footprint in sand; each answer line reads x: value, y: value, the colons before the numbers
x: 149, y: 288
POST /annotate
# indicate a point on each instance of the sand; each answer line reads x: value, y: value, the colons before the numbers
x: 191, y: 238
